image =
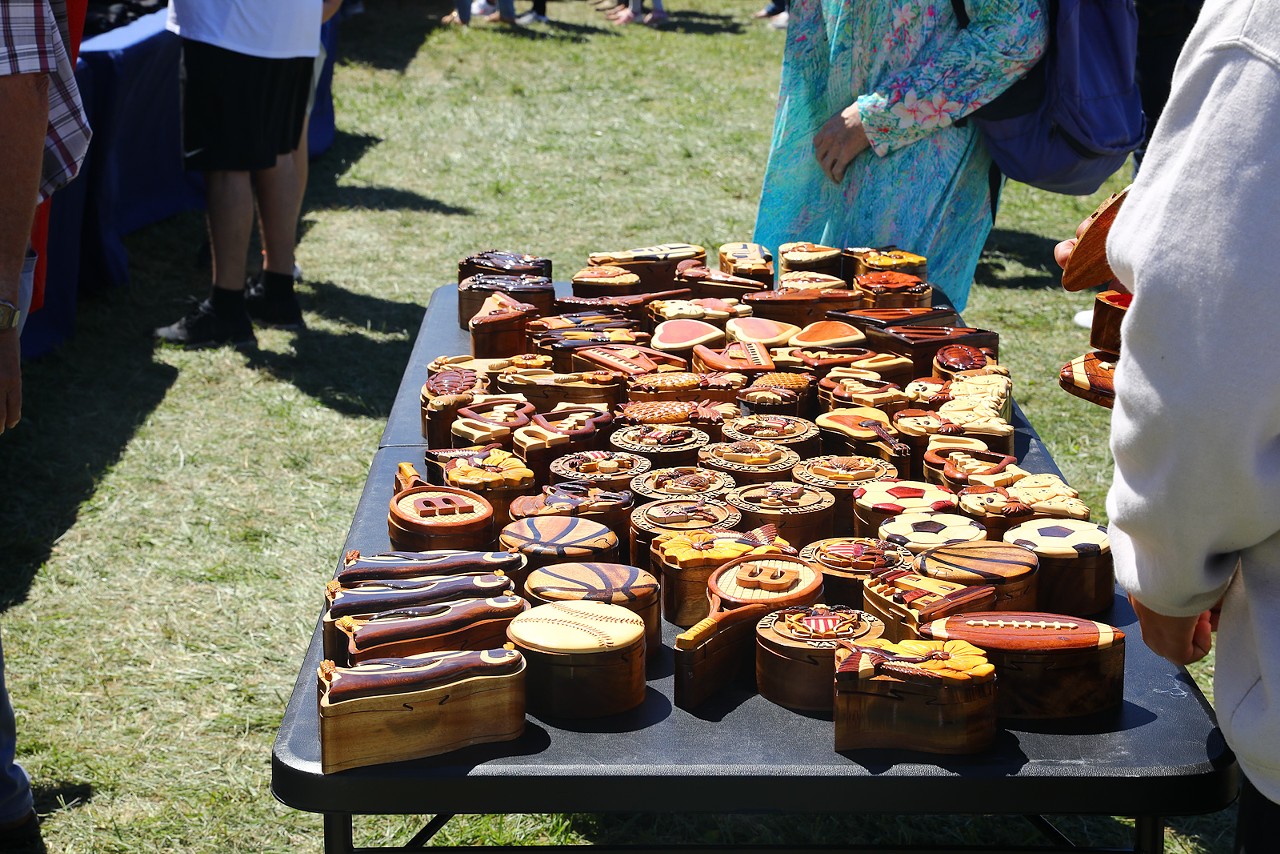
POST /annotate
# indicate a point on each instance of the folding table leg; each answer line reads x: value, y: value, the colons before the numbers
x: 1148, y: 834
x: 338, y: 835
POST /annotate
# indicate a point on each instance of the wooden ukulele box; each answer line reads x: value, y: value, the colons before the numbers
x: 796, y: 652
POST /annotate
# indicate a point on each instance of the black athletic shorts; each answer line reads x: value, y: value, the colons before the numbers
x: 240, y: 112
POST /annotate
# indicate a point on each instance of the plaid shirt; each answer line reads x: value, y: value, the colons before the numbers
x: 33, y: 41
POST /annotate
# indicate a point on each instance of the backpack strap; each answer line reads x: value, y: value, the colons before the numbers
x: 962, y: 14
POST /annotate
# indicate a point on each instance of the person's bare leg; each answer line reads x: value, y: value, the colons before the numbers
x: 302, y: 169
x: 230, y: 202
x: 278, y: 199
x: 24, y: 103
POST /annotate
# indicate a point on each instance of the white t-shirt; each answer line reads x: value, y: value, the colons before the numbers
x: 272, y: 29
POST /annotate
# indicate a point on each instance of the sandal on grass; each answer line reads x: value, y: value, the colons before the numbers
x: 452, y: 20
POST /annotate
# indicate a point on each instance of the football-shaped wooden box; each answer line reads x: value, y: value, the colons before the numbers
x: 847, y: 562
x: 359, y: 569
x: 655, y: 265
x: 545, y: 540
x: 1010, y: 569
x: 906, y: 600
x: 801, y: 513
x: 687, y: 559
x: 876, y: 501
x: 617, y: 583
x: 663, y: 445
x: 796, y: 652
x: 398, y: 709
x: 680, y: 482
x: 841, y: 475
x: 581, y: 499
x: 931, y: 696
x: 1090, y: 377
x: 585, y: 659
x: 919, y: 532
x: 607, y: 469
x: 676, y: 515
x: 797, y: 434
x: 757, y: 461
x: 425, y: 517
x: 459, y: 624
x: 720, y: 649
x: 1048, y: 665
x: 537, y: 291
x: 1076, y: 573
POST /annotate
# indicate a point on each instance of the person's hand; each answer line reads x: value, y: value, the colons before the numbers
x: 1182, y: 640
x: 1062, y: 253
x: 839, y: 141
x: 10, y: 380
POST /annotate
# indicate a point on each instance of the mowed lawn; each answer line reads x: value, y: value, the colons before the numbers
x: 170, y: 518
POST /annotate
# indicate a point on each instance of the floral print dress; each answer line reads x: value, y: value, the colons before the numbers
x: 923, y: 184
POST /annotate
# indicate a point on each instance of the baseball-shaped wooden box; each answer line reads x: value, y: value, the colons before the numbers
x: 617, y: 583
x: 720, y: 649
x: 607, y: 469
x: 847, y: 562
x: 459, y: 624
x: 756, y: 461
x: 680, y: 482
x: 841, y: 475
x: 676, y: 515
x: 545, y: 540
x: 392, y: 710
x: 577, y: 498
x: 687, y: 559
x: 931, y: 696
x: 906, y: 600
x: 537, y: 291
x: 879, y: 500
x: 1011, y: 570
x: 1048, y: 665
x: 919, y: 532
x: 797, y: 434
x: 796, y: 652
x: 1076, y: 573
x: 425, y: 517
x: 585, y: 659
x: 800, y: 512
x: 663, y: 445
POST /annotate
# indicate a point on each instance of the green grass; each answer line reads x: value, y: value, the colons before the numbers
x: 171, y: 517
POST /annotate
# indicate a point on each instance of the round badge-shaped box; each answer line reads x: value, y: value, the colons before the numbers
x: 545, y: 540
x: 616, y: 583
x: 798, y: 434
x: 1010, y: 569
x: 879, y: 500
x: 423, y: 518
x: 675, y: 515
x: 847, y: 562
x: 1076, y: 574
x: 585, y: 658
x: 919, y: 532
x: 800, y: 512
x: 681, y: 482
x: 663, y: 445
x: 841, y: 475
x: 608, y: 469
x: 754, y: 461
x: 796, y: 652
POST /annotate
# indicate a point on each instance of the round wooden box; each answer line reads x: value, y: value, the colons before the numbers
x: 613, y: 470
x: 919, y: 532
x: 500, y: 476
x: 545, y: 540
x: 687, y: 559
x: 680, y: 482
x: 585, y: 659
x: 841, y: 475
x: 1010, y: 569
x: 846, y: 562
x: 663, y: 445
x: 676, y: 515
x: 801, y: 513
x: 617, y: 583
x: 423, y: 518
x: 797, y: 434
x: 580, y: 499
x: 769, y: 401
x: 755, y: 461
x: 1076, y: 574
x: 877, y: 501
x: 796, y: 652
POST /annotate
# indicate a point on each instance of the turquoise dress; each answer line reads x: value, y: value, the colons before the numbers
x: 923, y: 184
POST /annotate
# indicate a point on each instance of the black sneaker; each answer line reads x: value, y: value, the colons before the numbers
x: 273, y: 310
x: 204, y: 328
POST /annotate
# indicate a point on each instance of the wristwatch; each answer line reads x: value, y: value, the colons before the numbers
x: 9, y: 315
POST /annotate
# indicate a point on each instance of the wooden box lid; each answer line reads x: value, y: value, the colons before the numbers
x: 925, y: 662
x: 659, y: 438
x: 856, y: 557
x: 440, y: 508
x: 1061, y: 538
x: 922, y: 531
x: 713, y: 547
x: 684, y: 514
x: 599, y: 582
x: 503, y: 262
x: 749, y: 456
x: 784, y: 429
x: 904, y: 496
x: 681, y: 481
x: 781, y: 498
x: 599, y: 465
x: 798, y: 631
x: 564, y: 537
x: 570, y: 498
x: 841, y: 473
x: 983, y: 562
x: 761, y: 330
x: 1024, y: 631
x: 575, y: 628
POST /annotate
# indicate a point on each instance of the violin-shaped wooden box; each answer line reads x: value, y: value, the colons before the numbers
x: 796, y: 652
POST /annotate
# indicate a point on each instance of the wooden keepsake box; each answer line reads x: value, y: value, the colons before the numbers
x: 1011, y: 570
x: 928, y: 696
x: 803, y: 384
x: 877, y: 394
x: 393, y: 710
x: 847, y: 562
x: 865, y: 318
x: 720, y: 649
x: 1049, y: 665
x: 585, y: 659
x: 426, y: 517
x: 956, y: 468
x: 863, y: 431
x: 441, y: 397
x: 612, y: 470
x: 583, y: 321
x: 828, y: 333
x: 680, y: 336
x: 906, y: 600
x: 632, y: 360
x: 687, y: 559
x: 500, y: 476
x: 876, y: 501
x: 616, y: 583
x: 686, y: 386
x: 401, y: 566
x: 796, y: 652
x: 1109, y: 309
x: 801, y: 513
x: 485, y: 368
x: 767, y: 400
x: 919, y: 532
x: 491, y: 418
x: 749, y: 260
x: 535, y: 290
x: 605, y: 281
x: 499, y: 262
x: 959, y: 358
x: 545, y: 540
x: 663, y: 445
x: 797, y: 434
x: 801, y: 306
x: 713, y: 310
x: 753, y: 461
x: 809, y: 280
x: 706, y: 282
x: 566, y: 429
x: 560, y: 345
x: 747, y: 357
x: 841, y: 475
x: 633, y: 306
x: 577, y: 498
x: 545, y: 388
x: 888, y: 289
x: 680, y: 482
x: 862, y: 261
x: 921, y: 343
x: 675, y: 516
x: 760, y: 330
x: 1047, y: 495
x: 826, y: 361
x: 456, y: 624
x: 1090, y: 377
x: 1076, y: 573
x: 498, y: 328
x: 814, y: 257
x: 655, y: 265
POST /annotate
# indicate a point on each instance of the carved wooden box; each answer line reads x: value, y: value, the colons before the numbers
x: 796, y: 652
x: 708, y: 283
x: 663, y: 445
x: 545, y: 540
x: 749, y: 260
x: 676, y: 515
x: 686, y: 385
x: 490, y: 418
x: 680, y: 482
x: 865, y: 318
x: 1109, y: 309
x: 655, y: 265
x: 847, y: 562
x: 442, y: 395
x: 862, y: 261
x: 921, y: 343
x: 405, y: 630
x: 607, y: 469
x: 798, y: 434
x: 426, y: 517
x: 498, y: 328
x: 800, y: 512
x: 1076, y: 573
x: 919, y: 532
x: 544, y: 388
x: 1011, y: 570
x: 687, y: 559
x: 801, y: 306
x: 628, y: 586
x: 581, y: 499
x: 633, y: 306
x: 503, y: 263
x: 537, y: 291
x: 753, y: 461
x: 768, y: 400
x: 813, y: 257
x: 747, y: 357
x: 359, y: 569
x: 1090, y: 377
x: 905, y: 600
x: 605, y: 281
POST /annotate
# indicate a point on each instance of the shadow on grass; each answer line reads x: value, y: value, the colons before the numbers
x: 389, y: 35
x: 703, y: 23
x: 1018, y: 259
x: 55, y: 797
